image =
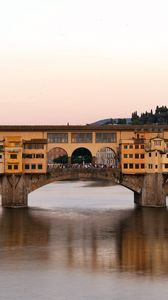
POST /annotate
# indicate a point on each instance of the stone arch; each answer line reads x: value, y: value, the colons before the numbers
x: 81, y: 155
x: 56, y: 153
x: 106, y: 156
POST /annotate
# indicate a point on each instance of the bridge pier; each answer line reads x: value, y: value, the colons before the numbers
x: 152, y: 192
x: 14, y: 191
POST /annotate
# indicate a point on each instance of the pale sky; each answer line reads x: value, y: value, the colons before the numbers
x: 80, y: 61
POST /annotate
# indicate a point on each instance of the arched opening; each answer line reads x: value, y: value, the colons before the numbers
x: 81, y: 193
x: 57, y: 155
x: 106, y: 157
x: 81, y: 156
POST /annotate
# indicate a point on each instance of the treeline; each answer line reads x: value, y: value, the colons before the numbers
x: 160, y: 116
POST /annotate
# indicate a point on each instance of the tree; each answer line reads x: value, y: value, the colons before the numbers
x: 160, y: 116
x: 135, y: 118
x: 61, y: 159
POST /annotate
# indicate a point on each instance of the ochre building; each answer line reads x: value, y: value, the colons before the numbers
x: 134, y: 149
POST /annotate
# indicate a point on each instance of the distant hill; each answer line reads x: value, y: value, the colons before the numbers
x: 159, y: 116
x: 111, y: 121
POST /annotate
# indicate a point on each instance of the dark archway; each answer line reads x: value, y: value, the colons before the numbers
x: 81, y: 155
x: 106, y: 156
x: 57, y: 155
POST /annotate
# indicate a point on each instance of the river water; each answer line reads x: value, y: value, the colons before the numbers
x: 83, y: 240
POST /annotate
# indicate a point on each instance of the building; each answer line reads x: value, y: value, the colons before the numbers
x: 156, y: 155
x: 138, y: 156
x: 137, y: 149
x: 13, y: 149
x: 106, y: 156
x: 35, y: 156
x: 132, y: 156
x: 2, y: 163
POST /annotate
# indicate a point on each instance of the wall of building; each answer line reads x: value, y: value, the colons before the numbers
x: 13, y: 154
x: 92, y: 138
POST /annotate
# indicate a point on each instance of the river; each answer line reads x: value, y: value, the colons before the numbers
x: 83, y: 240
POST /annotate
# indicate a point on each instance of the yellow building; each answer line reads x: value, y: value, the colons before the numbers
x: 2, y: 164
x: 13, y: 154
x: 26, y: 147
x: 156, y: 156
x: 132, y: 156
x: 138, y: 156
x: 35, y: 156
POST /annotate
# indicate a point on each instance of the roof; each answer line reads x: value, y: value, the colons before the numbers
x: 58, y: 128
x: 35, y: 141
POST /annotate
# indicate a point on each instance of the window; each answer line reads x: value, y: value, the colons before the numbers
x: 136, y: 166
x: 39, y: 155
x: 33, y: 146
x: 13, y: 156
x: 27, y: 155
x: 125, y: 155
x: 136, y: 146
x: 136, y: 155
x: 131, y: 146
x: 33, y: 166
x: 125, y: 166
x: 106, y: 137
x: 15, y: 167
x: 150, y: 154
x: 150, y: 166
x: 142, y: 146
x: 142, y: 166
x: 130, y: 155
x: 58, y: 137
x: 125, y: 146
x: 142, y: 155
x: 0, y: 155
x: 9, y: 167
x: 167, y: 155
x: 40, y: 166
x: 155, y: 153
x: 156, y: 166
x: 166, y: 166
x: 131, y: 166
x: 157, y: 143
x: 27, y: 167
x: 82, y: 137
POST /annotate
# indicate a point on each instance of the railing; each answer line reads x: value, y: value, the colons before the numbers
x: 81, y: 171
x: 79, y: 167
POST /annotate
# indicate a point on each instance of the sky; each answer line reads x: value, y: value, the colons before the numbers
x: 79, y: 61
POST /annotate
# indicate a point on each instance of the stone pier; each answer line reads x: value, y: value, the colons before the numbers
x: 14, y: 191
x: 152, y: 192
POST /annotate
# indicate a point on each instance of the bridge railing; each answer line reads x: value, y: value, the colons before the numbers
x: 52, y: 167
x: 81, y: 171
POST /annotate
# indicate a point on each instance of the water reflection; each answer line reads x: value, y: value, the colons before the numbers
x: 21, y: 234
x: 143, y: 241
x: 99, y: 241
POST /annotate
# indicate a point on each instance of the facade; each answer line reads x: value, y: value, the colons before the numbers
x: 157, y: 156
x: 13, y: 150
x: 139, y: 156
x: 2, y: 163
x: 35, y: 156
x: 137, y: 149
x: 106, y: 156
x: 132, y: 156
x: 55, y: 153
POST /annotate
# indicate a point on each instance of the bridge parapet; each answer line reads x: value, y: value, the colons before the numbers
x: 56, y: 174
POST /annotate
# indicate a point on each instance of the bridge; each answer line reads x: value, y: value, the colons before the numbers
x: 149, y: 189
x: 133, y: 156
